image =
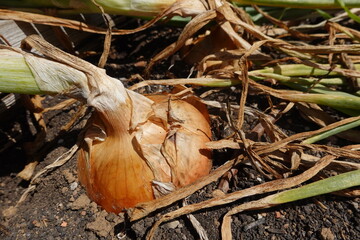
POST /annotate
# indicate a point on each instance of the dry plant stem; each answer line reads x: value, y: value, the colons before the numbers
x: 284, y: 46
x: 231, y: 197
x: 48, y: 20
x: 245, y: 88
x: 276, y: 145
x: 343, y: 152
x: 78, y: 115
x: 277, y: 22
x: 352, y: 33
x: 245, y: 80
x: 67, y: 23
x: 268, y: 148
x: 190, y: 29
x: 345, y: 101
x: 353, y: 48
x: 336, y: 165
x: 108, y: 36
x: 320, y: 25
x: 142, y: 210
x: 331, y: 184
x: 245, y: 84
x: 226, y: 10
x: 222, y: 12
x: 314, y: 113
x: 196, y: 224
x: 57, y: 163
x: 61, y: 105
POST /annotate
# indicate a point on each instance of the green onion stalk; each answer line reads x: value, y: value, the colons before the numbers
x: 153, y: 7
x: 123, y: 7
x: 25, y: 73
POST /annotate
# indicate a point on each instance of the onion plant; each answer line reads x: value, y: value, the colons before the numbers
x: 135, y: 148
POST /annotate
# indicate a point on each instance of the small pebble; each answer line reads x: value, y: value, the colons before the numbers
x: 173, y: 224
x: 73, y: 186
x: 64, y: 224
x: 326, y: 234
x: 259, y: 180
x: 278, y: 215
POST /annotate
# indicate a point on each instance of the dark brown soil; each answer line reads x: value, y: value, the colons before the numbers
x: 59, y: 209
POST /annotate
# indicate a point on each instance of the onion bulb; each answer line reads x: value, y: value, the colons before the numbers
x: 144, y: 149
x: 135, y: 148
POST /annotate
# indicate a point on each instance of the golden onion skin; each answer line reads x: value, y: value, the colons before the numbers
x: 114, y: 170
x: 187, y: 145
x: 116, y: 177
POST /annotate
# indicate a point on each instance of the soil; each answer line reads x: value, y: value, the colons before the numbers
x: 58, y: 208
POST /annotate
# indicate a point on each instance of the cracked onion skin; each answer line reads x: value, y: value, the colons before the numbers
x: 117, y: 170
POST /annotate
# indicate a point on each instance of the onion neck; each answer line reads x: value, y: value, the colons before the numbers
x: 121, y: 111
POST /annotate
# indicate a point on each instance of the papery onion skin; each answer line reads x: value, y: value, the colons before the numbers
x: 116, y: 173
x: 118, y: 177
x: 192, y: 132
